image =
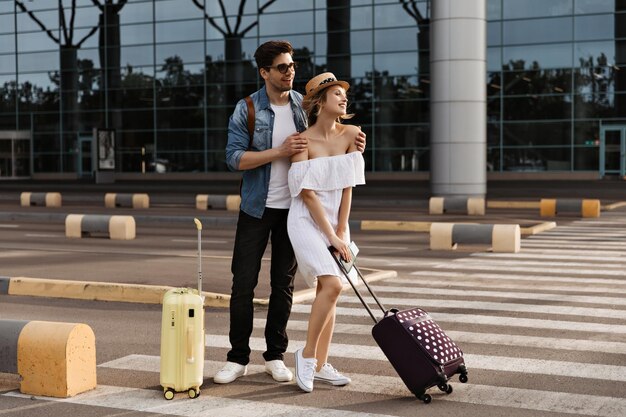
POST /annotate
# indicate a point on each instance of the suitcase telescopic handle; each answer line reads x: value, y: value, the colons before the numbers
x: 199, y: 227
x: 356, y: 290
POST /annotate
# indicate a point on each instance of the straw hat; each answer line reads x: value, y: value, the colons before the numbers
x: 322, y: 81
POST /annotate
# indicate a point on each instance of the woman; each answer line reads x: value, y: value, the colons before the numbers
x: 320, y: 182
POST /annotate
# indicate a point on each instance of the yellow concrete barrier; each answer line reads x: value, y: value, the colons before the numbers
x: 40, y: 199
x: 137, y: 201
x: 501, y: 237
x: 229, y: 202
x: 56, y: 359
x: 472, y: 206
x: 550, y: 207
x: 117, y: 227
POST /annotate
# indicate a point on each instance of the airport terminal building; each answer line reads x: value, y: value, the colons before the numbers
x: 140, y: 87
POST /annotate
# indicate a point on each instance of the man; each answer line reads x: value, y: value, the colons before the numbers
x: 265, y: 202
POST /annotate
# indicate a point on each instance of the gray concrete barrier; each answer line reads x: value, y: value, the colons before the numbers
x: 138, y: 201
x: 473, y: 206
x: 116, y: 227
x: 229, y: 202
x: 40, y: 199
x: 52, y: 359
x: 550, y: 207
x: 501, y: 237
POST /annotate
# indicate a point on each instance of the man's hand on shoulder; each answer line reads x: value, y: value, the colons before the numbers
x: 360, y: 140
x: 293, y: 144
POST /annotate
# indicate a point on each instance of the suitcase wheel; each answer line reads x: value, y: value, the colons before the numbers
x: 193, y: 393
x: 447, y: 388
x: 168, y: 394
x: 463, y: 378
x: 425, y: 397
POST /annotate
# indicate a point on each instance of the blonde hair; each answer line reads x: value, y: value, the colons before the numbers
x: 313, y: 106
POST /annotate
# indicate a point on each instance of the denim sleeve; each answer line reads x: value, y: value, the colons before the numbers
x: 238, y: 138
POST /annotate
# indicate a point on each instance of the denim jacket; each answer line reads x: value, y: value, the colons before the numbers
x: 256, y: 181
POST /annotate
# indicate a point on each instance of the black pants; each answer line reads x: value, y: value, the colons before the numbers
x: 250, y: 243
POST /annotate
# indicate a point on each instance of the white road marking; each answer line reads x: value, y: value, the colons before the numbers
x: 9, y: 226
x: 492, y: 320
x: 493, y: 363
x: 509, y: 277
x: 482, y: 338
x: 496, y: 306
x: 498, y: 396
x: 449, y: 292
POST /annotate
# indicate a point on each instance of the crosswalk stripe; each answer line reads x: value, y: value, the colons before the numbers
x: 450, y: 292
x: 482, y: 338
x: 599, y: 240
x: 510, y: 268
x: 473, y: 361
x: 526, y: 399
x: 571, y: 255
x: 621, y: 266
x: 461, y: 281
x: 491, y: 320
x: 494, y: 306
x: 508, y: 277
x: 151, y: 401
x: 551, y: 245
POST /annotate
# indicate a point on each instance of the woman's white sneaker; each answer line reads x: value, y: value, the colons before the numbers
x: 229, y: 373
x: 331, y: 376
x: 305, y: 371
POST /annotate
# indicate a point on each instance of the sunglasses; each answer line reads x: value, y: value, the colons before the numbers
x: 282, y: 68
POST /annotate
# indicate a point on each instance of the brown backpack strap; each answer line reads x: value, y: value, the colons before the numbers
x: 251, y: 117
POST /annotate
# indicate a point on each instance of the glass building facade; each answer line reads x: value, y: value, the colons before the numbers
x: 164, y: 75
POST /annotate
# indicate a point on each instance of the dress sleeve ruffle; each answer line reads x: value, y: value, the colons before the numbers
x: 327, y: 173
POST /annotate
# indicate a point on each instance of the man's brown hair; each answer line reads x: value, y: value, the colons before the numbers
x: 267, y: 52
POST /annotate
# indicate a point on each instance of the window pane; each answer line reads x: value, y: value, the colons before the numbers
x: 594, y: 27
x: 136, y: 34
x: 535, y: 134
x: 397, y: 63
x: 387, y: 40
x: 593, y: 6
x: 494, y: 9
x: 494, y: 37
x: 542, y: 56
x: 38, y: 61
x: 189, y: 53
x: 393, y: 15
x: 187, y: 31
x: 515, y: 9
x: 537, y: 107
x: 136, y: 12
x: 176, y: 9
x: 537, y: 31
x: 285, y: 23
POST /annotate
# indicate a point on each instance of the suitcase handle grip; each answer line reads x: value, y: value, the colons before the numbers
x: 356, y: 291
x: 190, y: 340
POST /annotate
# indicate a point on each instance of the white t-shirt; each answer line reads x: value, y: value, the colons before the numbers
x: 278, y: 194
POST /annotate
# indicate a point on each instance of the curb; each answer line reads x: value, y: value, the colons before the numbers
x: 136, y: 293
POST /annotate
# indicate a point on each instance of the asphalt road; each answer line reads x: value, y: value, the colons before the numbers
x: 543, y: 331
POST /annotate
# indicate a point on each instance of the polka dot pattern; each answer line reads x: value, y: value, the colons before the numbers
x: 429, y: 335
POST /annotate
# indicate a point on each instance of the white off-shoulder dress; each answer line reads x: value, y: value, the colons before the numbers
x: 327, y: 176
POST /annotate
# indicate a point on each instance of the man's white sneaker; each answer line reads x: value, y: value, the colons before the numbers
x: 305, y: 370
x: 331, y: 376
x: 278, y: 371
x: 229, y: 373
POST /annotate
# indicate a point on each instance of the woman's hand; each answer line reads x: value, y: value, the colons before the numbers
x: 341, y: 247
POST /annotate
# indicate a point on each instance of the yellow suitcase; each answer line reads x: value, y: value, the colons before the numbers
x: 182, y: 337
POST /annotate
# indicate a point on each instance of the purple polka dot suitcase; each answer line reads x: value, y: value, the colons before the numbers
x: 415, y: 345
x: 419, y: 350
